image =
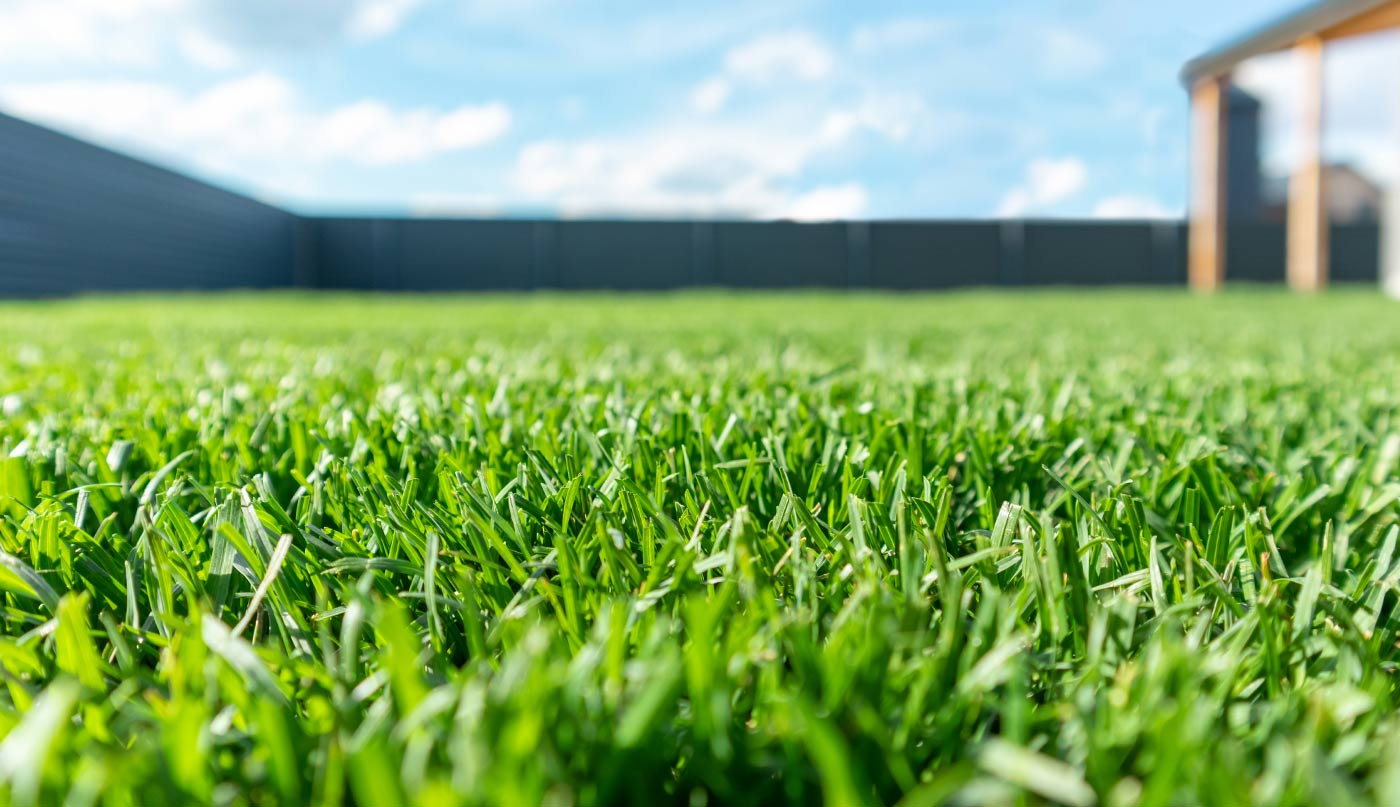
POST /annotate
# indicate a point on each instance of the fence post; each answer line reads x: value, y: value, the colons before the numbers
x: 1166, y: 253
x: 384, y: 260
x: 1012, y: 271
x: 544, y: 268
x: 702, y: 253
x: 857, y: 255
x: 306, y: 259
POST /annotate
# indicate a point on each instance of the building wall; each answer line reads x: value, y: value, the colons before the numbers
x: 1244, y: 186
x: 76, y: 217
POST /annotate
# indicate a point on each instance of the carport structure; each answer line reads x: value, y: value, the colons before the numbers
x: 1307, y: 33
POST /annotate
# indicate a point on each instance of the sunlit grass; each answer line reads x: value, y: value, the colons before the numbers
x: 1105, y: 548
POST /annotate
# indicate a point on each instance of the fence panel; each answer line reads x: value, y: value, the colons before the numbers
x: 1356, y: 253
x: 1089, y: 253
x: 1255, y: 252
x: 465, y: 255
x: 780, y: 255
x: 78, y: 217
x: 934, y: 255
x: 345, y: 254
x: 625, y: 255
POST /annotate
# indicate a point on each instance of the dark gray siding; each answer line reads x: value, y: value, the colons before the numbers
x: 76, y: 217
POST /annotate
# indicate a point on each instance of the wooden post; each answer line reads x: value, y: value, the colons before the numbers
x: 1307, y: 203
x: 1390, y: 241
x: 1390, y: 230
x: 1206, y: 269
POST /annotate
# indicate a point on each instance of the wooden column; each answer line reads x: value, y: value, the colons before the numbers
x: 1390, y: 241
x: 1307, y: 202
x: 1390, y: 224
x: 1206, y: 265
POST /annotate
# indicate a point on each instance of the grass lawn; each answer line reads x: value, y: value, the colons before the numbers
x: 1058, y: 548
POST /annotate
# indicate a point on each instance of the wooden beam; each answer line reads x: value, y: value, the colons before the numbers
x: 1330, y: 19
x: 1307, y: 208
x: 1385, y: 18
x: 1206, y: 265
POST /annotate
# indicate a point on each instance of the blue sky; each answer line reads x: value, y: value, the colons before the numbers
x: 780, y: 108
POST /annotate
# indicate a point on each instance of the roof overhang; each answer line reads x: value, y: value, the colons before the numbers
x: 1329, y: 19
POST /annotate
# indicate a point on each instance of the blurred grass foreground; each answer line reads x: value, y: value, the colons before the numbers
x: 1101, y: 548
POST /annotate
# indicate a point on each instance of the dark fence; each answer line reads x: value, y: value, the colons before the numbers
x: 75, y: 217
x: 492, y: 255
x: 1356, y: 253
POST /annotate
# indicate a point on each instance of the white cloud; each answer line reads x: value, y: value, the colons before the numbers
x: 892, y: 116
x: 470, y: 126
x: 746, y: 169
x: 533, y: 38
x: 68, y: 32
x: 249, y: 113
x: 203, y: 50
x: 828, y: 204
x: 674, y: 173
x: 1129, y: 206
x: 206, y: 33
x: 107, y: 108
x: 453, y: 203
x: 376, y: 18
x: 768, y: 61
x: 1047, y: 182
x: 748, y: 165
x: 266, y: 25
x: 258, y: 116
x: 780, y: 57
x: 710, y: 95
